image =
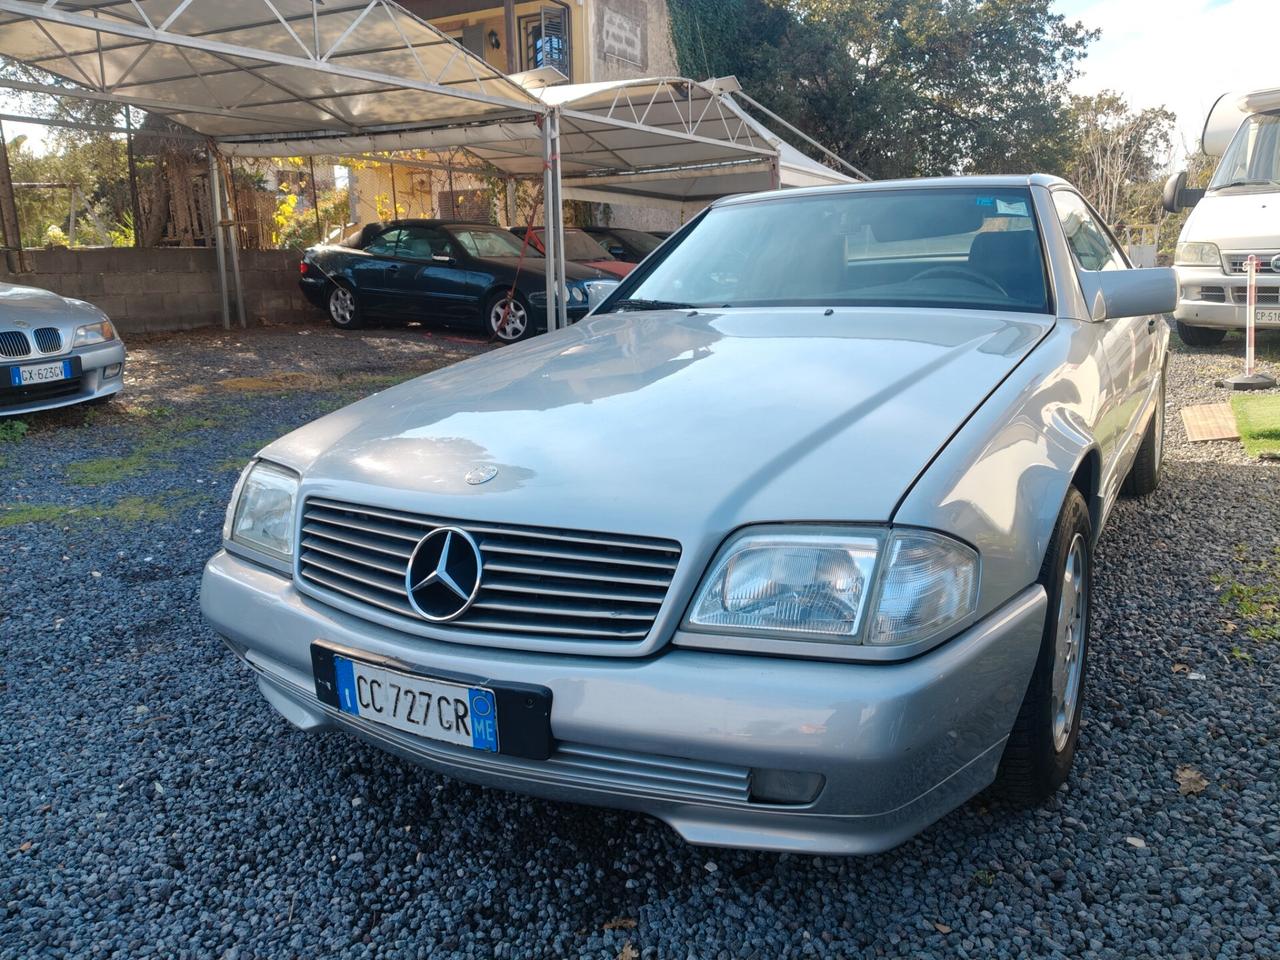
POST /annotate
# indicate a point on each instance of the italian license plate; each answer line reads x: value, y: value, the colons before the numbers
x: 436, y: 709
x: 40, y: 373
x: 1267, y: 316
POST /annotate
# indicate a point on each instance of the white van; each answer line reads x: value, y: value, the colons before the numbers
x: 1238, y: 214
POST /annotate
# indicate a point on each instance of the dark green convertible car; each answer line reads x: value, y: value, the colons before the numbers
x: 436, y: 271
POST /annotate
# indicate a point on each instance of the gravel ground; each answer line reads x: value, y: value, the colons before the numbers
x: 151, y: 804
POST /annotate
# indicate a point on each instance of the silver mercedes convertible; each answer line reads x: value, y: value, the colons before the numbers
x: 55, y: 351
x: 789, y: 544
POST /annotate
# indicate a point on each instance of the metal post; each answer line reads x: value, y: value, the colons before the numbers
x: 232, y: 206
x: 215, y: 230
x: 509, y: 27
x: 9, y: 211
x: 548, y: 234
x: 71, y: 218
x: 133, y: 179
x: 395, y: 204
x: 315, y: 200
x: 562, y: 280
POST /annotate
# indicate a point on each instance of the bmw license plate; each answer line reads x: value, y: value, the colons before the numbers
x: 38, y: 373
x: 436, y: 709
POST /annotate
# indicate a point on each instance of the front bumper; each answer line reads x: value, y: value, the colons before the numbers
x: 90, y: 385
x: 1207, y: 297
x: 678, y: 734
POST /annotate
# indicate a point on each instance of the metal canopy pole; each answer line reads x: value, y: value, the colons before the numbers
x: 562, y: 280
x: 549, y: 238
x: 215, y: 229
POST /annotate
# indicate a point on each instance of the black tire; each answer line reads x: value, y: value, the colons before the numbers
x: 1144, y: 475
x: 1199, y: 336
x: 518, y: 318
x: 343, y: 307
x: 1037, y: 757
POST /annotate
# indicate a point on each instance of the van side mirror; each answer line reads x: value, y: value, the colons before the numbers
x: 1177, y: 195
x: 1113, y: 294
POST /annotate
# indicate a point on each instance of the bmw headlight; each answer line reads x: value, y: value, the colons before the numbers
x: 870, y: 587
x: 260, y: 516
x: 92, y: 333
x: 1197, y: 255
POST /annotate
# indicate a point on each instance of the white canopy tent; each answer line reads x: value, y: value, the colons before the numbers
x: 308, y: 77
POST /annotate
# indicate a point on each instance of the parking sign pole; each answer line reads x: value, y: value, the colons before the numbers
x: 1251, y: 379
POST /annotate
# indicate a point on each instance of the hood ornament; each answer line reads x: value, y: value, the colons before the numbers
x: 480, y: 473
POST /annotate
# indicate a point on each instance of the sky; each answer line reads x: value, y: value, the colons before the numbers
x: 1181, y: 54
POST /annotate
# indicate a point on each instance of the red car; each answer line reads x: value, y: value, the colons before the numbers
x: 579, y: 247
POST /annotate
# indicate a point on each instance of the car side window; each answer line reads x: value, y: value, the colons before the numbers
x: 1090, y: 244
x: 422, y: 243
x: 384, y: 245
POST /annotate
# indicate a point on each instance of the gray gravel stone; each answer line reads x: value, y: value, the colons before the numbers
x: 152, y: 804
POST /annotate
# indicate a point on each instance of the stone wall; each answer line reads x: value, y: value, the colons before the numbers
x: 168, y: 288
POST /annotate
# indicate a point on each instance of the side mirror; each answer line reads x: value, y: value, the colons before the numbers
x: 1113, y: 294
x: 1177, y: 196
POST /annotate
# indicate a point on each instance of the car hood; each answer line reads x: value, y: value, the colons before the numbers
x: 31, y: 307
x: 668, y: 424
x: 1241, y: 219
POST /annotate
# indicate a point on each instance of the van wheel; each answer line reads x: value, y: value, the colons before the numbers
x: 1200, y: 336
x: 344, y: 309
x: 1037, y: 757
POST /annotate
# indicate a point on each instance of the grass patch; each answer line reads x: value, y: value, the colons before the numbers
x: 129, y: 510
x: 1255, y: 598
x: 1258, y: 417
x: 165, y: 434
x: 11, y: 431
x: 273, y: 383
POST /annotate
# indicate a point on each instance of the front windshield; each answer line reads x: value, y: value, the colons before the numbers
x: 580, y: 246
x: 974, y: 247
x: 1254, y: 154
x: 645, y: 243
x: 490, y: 242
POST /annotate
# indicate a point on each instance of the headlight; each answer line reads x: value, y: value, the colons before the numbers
x: 872, y: 587
x: 597, y: 290
x: 99, y: 332
x: 577, y: 294
x: 261, y: 513
x: 1197, y: 255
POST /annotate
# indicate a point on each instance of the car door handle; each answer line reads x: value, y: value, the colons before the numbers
x: 392, y: 268
x: 1151, y: 324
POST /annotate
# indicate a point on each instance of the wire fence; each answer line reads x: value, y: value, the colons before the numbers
x: 83, y: 188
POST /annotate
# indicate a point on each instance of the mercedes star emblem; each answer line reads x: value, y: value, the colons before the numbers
x: 481, y: 473
x: 444, y: 574
x: 1275, y: 263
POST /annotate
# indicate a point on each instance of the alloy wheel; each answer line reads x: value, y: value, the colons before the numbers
x: 517, y: 319
x: 1068, y: 659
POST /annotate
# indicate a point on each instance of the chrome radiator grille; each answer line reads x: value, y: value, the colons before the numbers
x: 535, y: 581
x: 14, y: 344
x: 49, y: 339
x: 1236, y: 262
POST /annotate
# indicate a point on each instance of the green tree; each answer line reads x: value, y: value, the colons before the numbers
x: 1118, y: 154
x: 900, y: 87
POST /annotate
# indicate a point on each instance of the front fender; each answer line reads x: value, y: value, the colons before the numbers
x: 1000, y: 482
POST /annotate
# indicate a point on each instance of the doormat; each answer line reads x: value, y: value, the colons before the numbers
x: 1210, y: 421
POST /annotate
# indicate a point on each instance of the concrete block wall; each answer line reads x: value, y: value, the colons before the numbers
x: 168, y: 288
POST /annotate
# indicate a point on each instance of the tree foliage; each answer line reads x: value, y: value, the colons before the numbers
x: 1118, y: 155
x: 900, y: 87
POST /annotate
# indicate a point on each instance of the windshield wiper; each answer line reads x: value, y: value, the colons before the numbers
x: 637, y: 304
x: 1248, y: 183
